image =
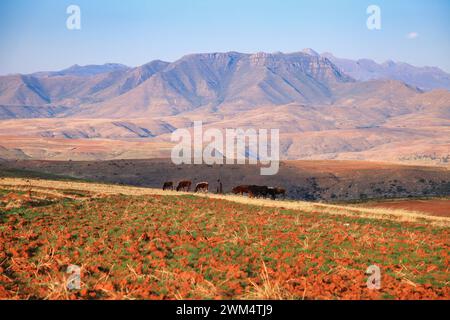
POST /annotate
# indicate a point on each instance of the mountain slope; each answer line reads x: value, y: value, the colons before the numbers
x: 426, y: 78
x: 226, y: 80
x: 71, y: 87
x: 22, y: 90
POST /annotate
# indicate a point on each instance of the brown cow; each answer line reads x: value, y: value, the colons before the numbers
x: 258, y: 191
x: 281, y: 191
x: 274, y: 191
x: 202, y: 186
x: 184, y: 185
x: 240, y: 189
x: 168, y: 185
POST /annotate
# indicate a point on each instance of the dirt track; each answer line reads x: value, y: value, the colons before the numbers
x: 435, y: 207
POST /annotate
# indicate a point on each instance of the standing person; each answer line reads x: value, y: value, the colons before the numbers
x: 219, y: 187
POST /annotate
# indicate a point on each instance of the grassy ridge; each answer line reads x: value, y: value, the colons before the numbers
x: 30, y: 174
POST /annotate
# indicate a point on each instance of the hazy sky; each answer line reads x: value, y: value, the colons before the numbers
x: 34, y: 37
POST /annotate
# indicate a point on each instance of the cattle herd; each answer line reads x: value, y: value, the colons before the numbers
x: 260, y: 191
x: 253, y: 191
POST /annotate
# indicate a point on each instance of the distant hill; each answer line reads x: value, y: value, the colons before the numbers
x: 425, y: 78
x: 83, y: 71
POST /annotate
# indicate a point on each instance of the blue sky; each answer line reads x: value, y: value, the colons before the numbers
x: 34, y: 37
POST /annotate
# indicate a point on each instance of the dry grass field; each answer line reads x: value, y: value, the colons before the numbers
x: 435, y: 207
x: 143, y: 243
x: 51, y: 187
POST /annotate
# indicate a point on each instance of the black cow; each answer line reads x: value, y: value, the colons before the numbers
x: 168, y: 185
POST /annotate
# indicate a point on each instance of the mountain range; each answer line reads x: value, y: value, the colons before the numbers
x: 424, y: 78
x: 325, y: 107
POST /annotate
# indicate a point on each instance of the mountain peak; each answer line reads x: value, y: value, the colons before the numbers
x: 389, y: 63
x: 311, y: 52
